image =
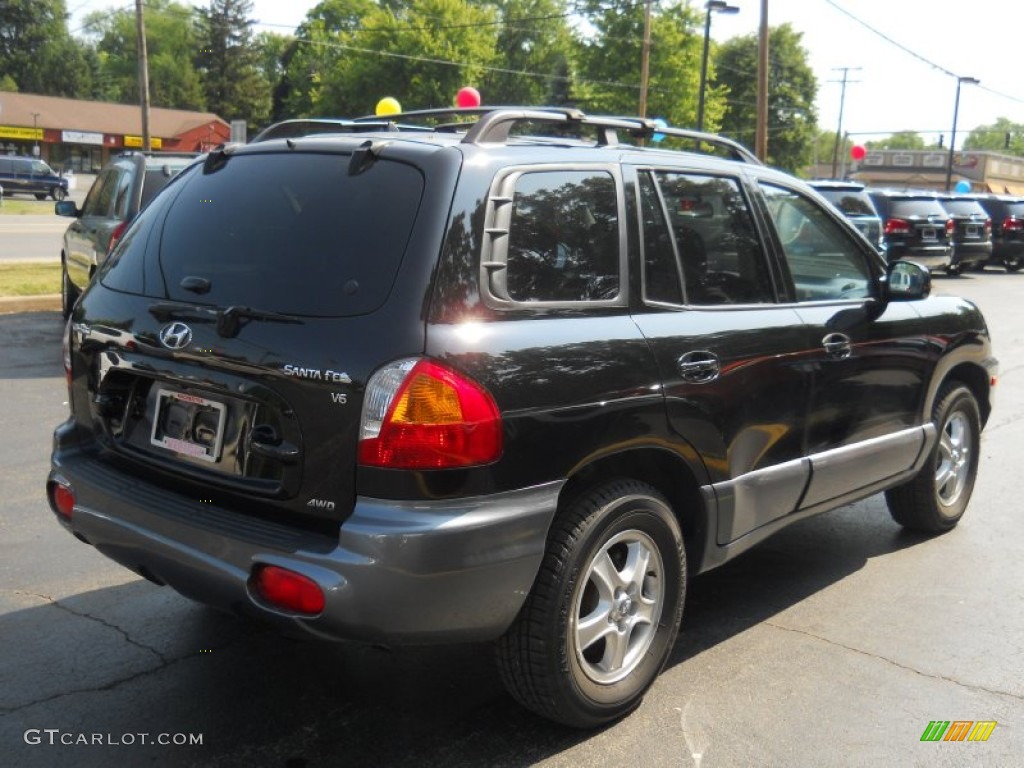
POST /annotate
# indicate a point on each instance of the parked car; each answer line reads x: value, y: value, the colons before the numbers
x: 31, y: 176
x: 123, y: 187
x: 1007, y: 214
x: 513, y: 380
x: 972, y: 232
x: 915, y: 226
x: 852, y: 199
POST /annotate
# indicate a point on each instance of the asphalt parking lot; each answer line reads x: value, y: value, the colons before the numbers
x: 835, y: 643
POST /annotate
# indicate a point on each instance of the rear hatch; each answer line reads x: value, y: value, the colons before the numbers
x: 917, y: 222
x: 224, y: 347
x: 972, y: 224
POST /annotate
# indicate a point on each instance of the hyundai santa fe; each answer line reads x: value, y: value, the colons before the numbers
x: 501, y: 374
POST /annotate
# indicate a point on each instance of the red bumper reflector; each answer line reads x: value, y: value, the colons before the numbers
x: 288, y: 590
x: 63, y: 499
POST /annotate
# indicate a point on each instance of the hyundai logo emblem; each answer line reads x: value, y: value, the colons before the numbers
x: 175, y: 335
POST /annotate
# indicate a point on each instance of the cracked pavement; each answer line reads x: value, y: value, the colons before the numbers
x: 834, y: 643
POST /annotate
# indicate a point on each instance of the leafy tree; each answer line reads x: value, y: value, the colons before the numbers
x: 792, y: 118
x: 37, y: 55
x: 230, y: 63
x: 1003, y: 135
x: 611, y: 63
x: 171, y: 44
x: 899, y: 140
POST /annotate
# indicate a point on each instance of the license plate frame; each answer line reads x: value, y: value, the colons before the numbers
x: 176, y: 430
x: 972, y: 230
x: 929, y: 233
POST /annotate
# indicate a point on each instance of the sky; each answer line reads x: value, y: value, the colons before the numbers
x: 906, y: 83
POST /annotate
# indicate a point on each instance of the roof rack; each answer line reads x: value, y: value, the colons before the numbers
x: 493, y: 125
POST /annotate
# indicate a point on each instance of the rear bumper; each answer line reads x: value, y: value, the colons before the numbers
x: 972, y: 253
x: 398, y: 571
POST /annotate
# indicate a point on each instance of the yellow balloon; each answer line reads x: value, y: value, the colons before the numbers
x: 388, y: 106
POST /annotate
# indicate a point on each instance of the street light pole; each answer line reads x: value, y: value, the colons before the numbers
x: 952, y: 138
x: 717, y: 6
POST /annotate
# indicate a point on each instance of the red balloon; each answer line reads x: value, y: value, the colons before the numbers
x: 467, y: 97
x: 857, y: 152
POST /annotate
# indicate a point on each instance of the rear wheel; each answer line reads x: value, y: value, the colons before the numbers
x: 935, y: 500
x: 954, y: 270
x: 1013, y: 263
x: 604, y: 611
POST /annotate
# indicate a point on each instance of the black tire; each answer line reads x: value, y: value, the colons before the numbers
x: 955, y: 270
x: 548, y: 659
x: 58, y: 194
x: 935, y: 500
x: 1013, y: 263
x: 68, y: 294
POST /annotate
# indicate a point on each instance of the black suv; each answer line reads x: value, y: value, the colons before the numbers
x: 123, y: 187
x: 31, y: 176
x: 972, y: 232
x: 852, y: 199
x: 1007, y: 214
x: 915, y: 226
x: 513, y: 378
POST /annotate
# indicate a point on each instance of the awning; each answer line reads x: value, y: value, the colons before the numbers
x: 1004, y: 188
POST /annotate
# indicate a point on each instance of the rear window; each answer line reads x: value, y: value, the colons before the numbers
x: 917, y: 207
x: 850, y: 201
x: 291, y: 233
x: 964, y: 207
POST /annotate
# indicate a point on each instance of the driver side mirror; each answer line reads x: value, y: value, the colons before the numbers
x: 907, y: 281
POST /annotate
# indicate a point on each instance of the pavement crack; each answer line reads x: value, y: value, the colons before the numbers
x: 893, y: 662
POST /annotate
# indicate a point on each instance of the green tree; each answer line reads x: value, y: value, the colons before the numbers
x: 1003, y: 135
x: 171, y: 45
x: 899, y: 140
x: 611, y: 63
x: 534, y: 37
x: 792, y: 88
x: 229, y: 63
x: 38, y: 55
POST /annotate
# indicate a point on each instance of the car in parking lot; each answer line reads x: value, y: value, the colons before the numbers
x: 512, y: 378
x: 1007, y: 214
x: 972, y: 232
x: 852, y: 199
x: 123, y: 187
x: 31, y: 176
x: 915, y: 226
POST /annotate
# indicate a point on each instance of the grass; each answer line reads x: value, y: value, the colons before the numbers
x: 29, y: 279
x: 21, y: 206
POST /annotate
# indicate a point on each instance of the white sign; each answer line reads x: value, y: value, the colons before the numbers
x: 81, y: 137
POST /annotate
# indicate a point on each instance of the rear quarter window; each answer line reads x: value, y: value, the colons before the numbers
x: 291, y: 233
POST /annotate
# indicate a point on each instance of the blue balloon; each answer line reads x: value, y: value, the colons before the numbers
x: 962, y: 186
x: 660, y: 122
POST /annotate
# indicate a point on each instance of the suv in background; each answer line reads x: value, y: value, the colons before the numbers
x: 1007, y: 214
x: 123, y: 187
x: 915, y: 226
x: 31, y: 176
x: 972, y: 232
x: 853, y: 201
x: 512, y: 378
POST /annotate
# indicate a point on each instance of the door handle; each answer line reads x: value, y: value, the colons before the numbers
x: 699, y: 367
x: 837, y: 345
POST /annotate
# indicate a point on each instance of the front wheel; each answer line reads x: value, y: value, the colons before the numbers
x: 603, y: 614
x: 935, y: 500
x: 58, y: 193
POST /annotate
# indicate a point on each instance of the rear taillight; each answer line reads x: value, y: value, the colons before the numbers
x: 950, y: 227
x: 116, y: 235
x: 288, y: 590
x: 897, y: 227
x: 419, y: 414
x: 1013, y: 224
x: 988, y: 226
x: 62, y: 499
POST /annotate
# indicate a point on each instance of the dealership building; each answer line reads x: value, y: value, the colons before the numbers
x: 81, y: 135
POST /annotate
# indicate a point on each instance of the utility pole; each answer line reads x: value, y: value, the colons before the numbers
x: 842, y: 100
x: 140, y: 32
x: 761, y: 129
x: 645, y: 60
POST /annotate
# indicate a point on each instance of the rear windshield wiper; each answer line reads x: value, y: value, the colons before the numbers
x: 229, y: 320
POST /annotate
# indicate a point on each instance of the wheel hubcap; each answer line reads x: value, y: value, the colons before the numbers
x: 617, y: 606
x: 954, y: 460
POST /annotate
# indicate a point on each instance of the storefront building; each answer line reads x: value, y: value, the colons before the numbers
x: 983, y: 171
x: 77, y: 135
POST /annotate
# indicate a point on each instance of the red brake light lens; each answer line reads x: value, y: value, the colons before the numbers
x: 1013, y: 224
x: 288, y: 590
x: 419, y: 414
x: 897, y: 227
x: 63, y: 499
x: 950, y: 227
x: 116, y: 235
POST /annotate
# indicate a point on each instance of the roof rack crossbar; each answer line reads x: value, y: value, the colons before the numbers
x: 646, y: 128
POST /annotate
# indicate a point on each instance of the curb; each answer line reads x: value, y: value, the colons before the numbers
x: 44, y: 303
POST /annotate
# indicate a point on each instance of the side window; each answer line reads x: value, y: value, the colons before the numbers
x: 101, y: 197
x: 823, y: 259
x: 563, y: 243
x: 708, y: 222
x: 123, y: 194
